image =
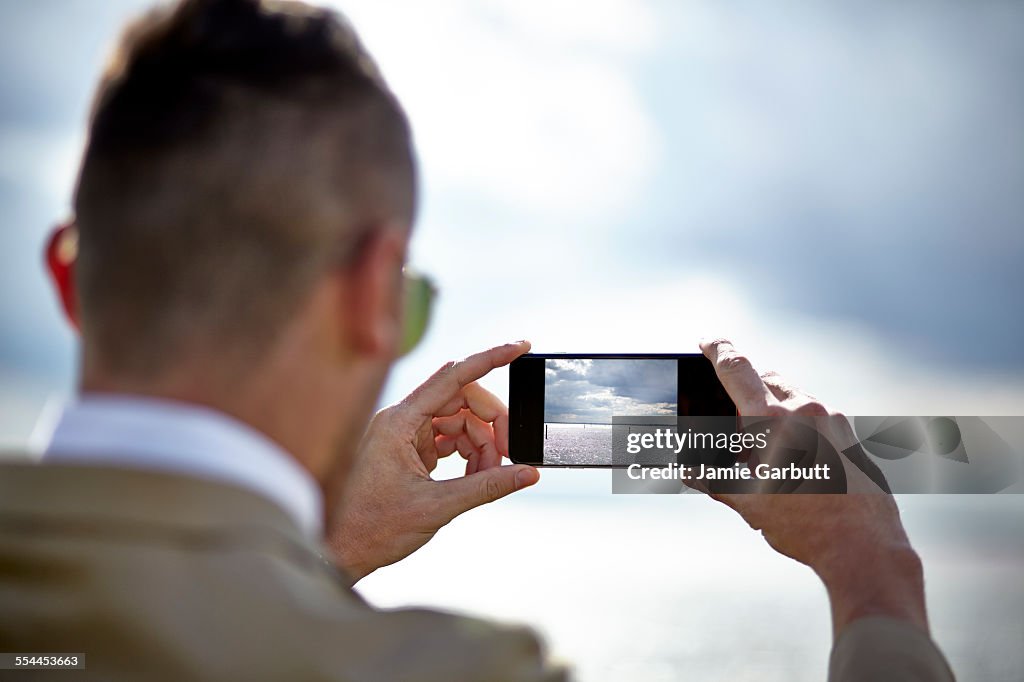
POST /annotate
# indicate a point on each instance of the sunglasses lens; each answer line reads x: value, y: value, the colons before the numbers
x: 419, y: 299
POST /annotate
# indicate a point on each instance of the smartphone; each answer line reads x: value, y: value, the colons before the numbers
x: 561, y: 405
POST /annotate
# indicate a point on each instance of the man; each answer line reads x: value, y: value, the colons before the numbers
x: 236, y: 274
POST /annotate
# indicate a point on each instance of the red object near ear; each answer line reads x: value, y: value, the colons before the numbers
x: 61, y: 253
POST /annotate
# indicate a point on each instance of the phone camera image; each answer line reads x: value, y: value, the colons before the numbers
x: 582, y: 395
x: 563, y: 407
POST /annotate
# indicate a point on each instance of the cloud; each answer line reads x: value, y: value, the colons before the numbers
x: 859, y: 163
x: 855, y: 164
x: 595, y: 390
x: 50, y: 56
x: 532, y: 107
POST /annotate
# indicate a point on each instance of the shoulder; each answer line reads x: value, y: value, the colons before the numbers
x: 419, y: 644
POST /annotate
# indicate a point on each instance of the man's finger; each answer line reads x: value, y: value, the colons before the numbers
x: 739, y: 378
x: 489, y: 408
x: 445, y: 445
x: 461, y: 400
x: 779, y: 387
x: 466, y: 448
x: 473, y: 433
x: 473, y: 490
x: 451, y: 426
x: 484, y: 405
x: 479, y: 431
x: 481, y: 434
x: 446, y: 383
x: 464, y: 420
x: 785, y: 391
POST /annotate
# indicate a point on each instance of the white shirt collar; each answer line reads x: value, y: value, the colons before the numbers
x: 165, y: 435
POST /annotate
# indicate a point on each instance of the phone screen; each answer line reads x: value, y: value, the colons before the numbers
x: 561, y: 406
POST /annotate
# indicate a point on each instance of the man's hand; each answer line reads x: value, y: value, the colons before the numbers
x: 855, y: 542
x: 391, y: 505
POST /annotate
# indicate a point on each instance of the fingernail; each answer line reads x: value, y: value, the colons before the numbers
x: 526, y: 477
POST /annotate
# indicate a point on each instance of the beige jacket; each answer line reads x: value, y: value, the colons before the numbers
x: 164, y: 577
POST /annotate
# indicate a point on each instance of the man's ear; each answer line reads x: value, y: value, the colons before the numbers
x: 61, y: 253
x: 373, y: 294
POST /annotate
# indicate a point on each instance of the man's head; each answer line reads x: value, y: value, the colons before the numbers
x: 243, y: 204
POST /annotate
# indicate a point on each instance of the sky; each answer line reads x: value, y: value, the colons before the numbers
x: 835, y: 186
x: 589, y: 391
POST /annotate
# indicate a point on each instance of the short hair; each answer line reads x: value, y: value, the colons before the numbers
x: 236, y: 147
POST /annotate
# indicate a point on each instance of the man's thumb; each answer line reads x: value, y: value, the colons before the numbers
x: 487, y: 486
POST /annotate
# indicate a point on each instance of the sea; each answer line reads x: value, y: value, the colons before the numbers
x: 576, y: 444
x: 670, y: 587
